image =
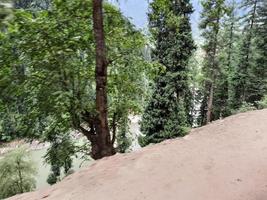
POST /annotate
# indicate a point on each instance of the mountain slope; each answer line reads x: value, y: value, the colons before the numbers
x: 226, y: 160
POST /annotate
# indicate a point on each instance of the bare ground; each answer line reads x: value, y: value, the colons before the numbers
x: 226, y: 160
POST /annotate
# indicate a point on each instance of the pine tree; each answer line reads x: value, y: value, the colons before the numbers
x: 242, y: 76
x: 258, y: 79
x: 212, y: 13
x: 166, y: 113
x: 250, y: 77
x: 228, y: 59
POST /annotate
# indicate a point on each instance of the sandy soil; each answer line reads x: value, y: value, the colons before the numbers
x: 226, y: 160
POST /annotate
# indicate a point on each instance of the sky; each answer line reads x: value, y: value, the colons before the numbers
x: 137, y: 10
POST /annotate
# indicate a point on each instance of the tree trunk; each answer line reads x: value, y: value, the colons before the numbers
x: 20, y: 184
x: 101, y: 144
x: 213, y: 71
x: 248, y: 51
x: 210, y: 103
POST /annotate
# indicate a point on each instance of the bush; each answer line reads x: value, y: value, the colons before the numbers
x: 59, y: 156
x: 245, y: 107
x: 124, y: 140
x: 17, y: 172
x: 263, y: 103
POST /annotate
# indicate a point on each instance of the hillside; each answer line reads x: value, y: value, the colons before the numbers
x: 226, y: 160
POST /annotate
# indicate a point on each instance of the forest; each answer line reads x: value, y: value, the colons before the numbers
x: 82, y: 67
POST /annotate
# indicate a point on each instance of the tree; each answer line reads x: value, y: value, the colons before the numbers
x: 241, y: 77
x: 9, y: 125
x: 166, y: 113
x: 250, y: 75
x: 101, y: 142
x: 258, y: 80
x: 211, y: 16
x: 59, y: 86
x: 228, y: 54
x: 16, y: 173
x: 59, y: 155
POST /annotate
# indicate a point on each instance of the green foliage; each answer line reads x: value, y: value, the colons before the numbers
x: 52, y: 178
x: 263, y: 103
x: 50, y: 87
x: 167, y: 124
x: 124, y: 139
x: 236, y: 68
x: 16, y: 173
x: 59, y: 155
x: 166, y: 114
x: 250, y: 76
x: 245, y: 107
x: 5, y: 137
x: 211, y: 16
x: 228, y: 54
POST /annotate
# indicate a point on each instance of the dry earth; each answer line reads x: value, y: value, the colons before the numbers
x: 226, y: 160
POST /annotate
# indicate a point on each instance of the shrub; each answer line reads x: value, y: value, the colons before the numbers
x: 17, y: 172
x: 245, y: 107
x: 124, y: 140
x: 263, y: 103
x: 59, y: 156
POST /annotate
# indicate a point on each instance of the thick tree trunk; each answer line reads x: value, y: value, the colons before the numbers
x: 101, y: 144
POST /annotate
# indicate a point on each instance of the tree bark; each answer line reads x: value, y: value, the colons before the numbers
x: 248, y: 51
x: 210, y: 103
x: 114, y: 128
x: 213, y: 71
x: 101, y: 144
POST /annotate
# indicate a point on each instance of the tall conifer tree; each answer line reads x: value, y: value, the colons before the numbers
x: 213, y: 11
x: 229, y: 37
x: 250, y: 82
x: 166, y: 114
x: 258, y: 79
x: 242, y: 74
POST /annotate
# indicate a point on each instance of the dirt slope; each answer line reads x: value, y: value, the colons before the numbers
x: 226, y: 160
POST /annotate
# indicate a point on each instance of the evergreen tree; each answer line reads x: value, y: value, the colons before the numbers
x: 258, y: 79
x: 166, y: 113
x: 247, y: 55
x: 213, y: 11
x: 229, y: 37
x: 250, y: 82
